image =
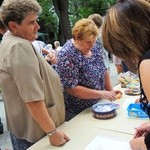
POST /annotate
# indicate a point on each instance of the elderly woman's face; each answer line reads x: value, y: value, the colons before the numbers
x: 86, y: 44
x: 29, y: 27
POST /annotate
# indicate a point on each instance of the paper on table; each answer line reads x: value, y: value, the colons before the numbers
x: 100, y: 143
x: 127, y: 102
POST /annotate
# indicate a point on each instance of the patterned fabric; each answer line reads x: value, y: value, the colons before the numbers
x: 76, y: 69
x: 143, y: 99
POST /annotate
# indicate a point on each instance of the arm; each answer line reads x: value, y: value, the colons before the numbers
x: 41, y: 115
x: 87, y: 93
x: 144, y: 69
x: 45, y: 51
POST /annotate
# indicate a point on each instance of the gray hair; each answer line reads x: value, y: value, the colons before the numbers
x: 17, y: 10
x: 57, y: 43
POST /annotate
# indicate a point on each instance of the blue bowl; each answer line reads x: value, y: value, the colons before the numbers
x: 104, y: 110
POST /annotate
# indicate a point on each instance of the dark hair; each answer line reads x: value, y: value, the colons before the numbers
x: 2, y: 26
x: 126, y: 31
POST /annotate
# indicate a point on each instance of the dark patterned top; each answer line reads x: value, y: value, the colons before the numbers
x: 75, y: 69
x: 143, y: 99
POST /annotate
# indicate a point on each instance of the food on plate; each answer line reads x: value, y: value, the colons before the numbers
x: 133, y: 89
x: 118, y: 96
x: 127, y: 78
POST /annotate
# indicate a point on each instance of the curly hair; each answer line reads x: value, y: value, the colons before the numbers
x: 17, y: 10
x: 84, y: 28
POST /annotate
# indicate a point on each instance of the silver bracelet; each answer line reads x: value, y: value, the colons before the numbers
x: 52, y: 132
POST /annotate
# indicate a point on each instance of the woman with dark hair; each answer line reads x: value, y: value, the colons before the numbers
x: 126, y: 34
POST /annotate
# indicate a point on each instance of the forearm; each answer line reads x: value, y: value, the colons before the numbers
x: 45, y: 51
x: 84, y: 92
x: 41, y: 115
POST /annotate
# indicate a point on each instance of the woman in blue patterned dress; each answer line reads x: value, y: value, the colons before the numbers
x: 81, y: 67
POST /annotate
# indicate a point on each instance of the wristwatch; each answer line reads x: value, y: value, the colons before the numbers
x: 52, y: 132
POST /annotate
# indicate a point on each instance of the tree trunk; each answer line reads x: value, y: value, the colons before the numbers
x: 61, y: 8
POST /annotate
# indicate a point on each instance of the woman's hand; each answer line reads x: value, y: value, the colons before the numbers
x: 142, y: 130
x: 58, y: 138
x: 138, y: 144
x: 51, y: 57
x: 118, y: 94
x: 110, y: 95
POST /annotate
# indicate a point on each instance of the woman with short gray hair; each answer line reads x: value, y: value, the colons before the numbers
x: 31, y: 89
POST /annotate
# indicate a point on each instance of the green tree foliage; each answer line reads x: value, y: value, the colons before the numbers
x: 51, y: 20
x: 82, y: 9
x: 48, y: 20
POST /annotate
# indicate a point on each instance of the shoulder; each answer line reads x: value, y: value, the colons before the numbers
x: 98, y: 48
x: 68, y: 49
x: 15, y: 43
x: 144, y: 58
x: 146, y: 55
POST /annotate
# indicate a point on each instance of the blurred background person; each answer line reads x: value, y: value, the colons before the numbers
x: 98, y: 20
x: 50, y: 48
x: 41, y: 47
x: 48, y: 54
x: 57, y: 46
x: 3, y: 30
x: 118, y: 64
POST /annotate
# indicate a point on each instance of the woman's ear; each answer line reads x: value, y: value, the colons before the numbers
x: 12, y: 26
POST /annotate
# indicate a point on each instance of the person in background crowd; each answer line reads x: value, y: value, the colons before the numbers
x: 42, y: 48
x: 57, y: 46
x: 118, y: 64
x: 98, y: 20
x: 50, y: 48
x: 127, y: 36
x: 81, y: 67
x: 31, y: 89
x: 3, y: 30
